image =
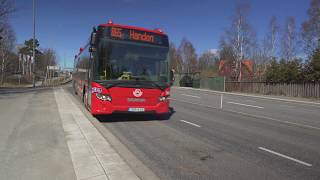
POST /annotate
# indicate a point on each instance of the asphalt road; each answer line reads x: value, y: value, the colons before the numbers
x: 249, y: 138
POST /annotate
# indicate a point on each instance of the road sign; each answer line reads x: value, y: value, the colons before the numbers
x: 53, y: 67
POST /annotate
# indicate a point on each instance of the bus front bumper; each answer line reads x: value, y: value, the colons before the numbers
x: 108, y: 108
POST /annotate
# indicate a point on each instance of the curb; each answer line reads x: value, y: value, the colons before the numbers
x: 142, y: 171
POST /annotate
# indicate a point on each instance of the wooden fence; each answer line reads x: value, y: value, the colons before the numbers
x: 311, y: 90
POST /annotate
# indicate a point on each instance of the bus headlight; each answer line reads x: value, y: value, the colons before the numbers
x: 103, y: 97
x: 163, y: 98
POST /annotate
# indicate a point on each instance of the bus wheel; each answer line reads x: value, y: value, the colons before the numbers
x: 165, y: 116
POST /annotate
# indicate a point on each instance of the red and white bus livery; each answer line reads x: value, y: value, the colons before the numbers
x: 124, y: 69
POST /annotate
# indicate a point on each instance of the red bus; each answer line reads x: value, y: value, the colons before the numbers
x: 124, y: 69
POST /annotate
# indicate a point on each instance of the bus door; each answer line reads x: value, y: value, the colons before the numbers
x: 90, y: 77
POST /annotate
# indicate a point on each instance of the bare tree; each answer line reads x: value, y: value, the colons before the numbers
x: 226, y: 52
x: 6, y: 45
x: 175, y: 59
x: 270, y: 43
x: 289, y: 40
x: 188, y: 56
x: 240, y: 37
x: 47, y: 58
x: 311, y: 28
x: 207, y: 60
x: 6, y: 7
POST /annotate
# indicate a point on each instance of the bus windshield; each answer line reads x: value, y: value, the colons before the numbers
x: 131, y: 61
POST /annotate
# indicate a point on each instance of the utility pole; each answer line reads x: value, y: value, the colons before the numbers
x: 34, y: 43
x: 64, y: 61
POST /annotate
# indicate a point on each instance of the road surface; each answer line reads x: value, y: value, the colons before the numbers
x: 249, y: 138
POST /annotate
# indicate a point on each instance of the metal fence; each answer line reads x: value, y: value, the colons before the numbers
x: 311, y: 90
x: 213, y: 83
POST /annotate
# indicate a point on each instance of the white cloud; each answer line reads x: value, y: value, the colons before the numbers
x: 213, y: 51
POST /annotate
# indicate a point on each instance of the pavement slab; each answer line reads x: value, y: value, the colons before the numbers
x: 92, y: 156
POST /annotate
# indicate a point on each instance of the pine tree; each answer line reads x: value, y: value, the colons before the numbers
x: 315, y: 65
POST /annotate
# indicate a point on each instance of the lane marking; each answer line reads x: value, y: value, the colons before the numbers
x: 248, y: 95
x: 173, y: 99
x: 190, y: 96
x: 193, y: 124
x: 248, y: 105
x: 285, y: 156
x: 252, y: 115
x: 277, y: 120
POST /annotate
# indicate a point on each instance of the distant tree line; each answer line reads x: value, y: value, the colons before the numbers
x: 184, y: 59
x: 15, y: 61
x: 300, y: 60
x: 287, y: 53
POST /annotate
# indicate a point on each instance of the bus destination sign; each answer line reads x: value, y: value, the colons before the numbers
x: 135, y: 35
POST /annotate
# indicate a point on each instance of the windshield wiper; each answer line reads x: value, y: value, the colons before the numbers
x: 157, y: 85
x: 137, y: 81
x: 110, y: 85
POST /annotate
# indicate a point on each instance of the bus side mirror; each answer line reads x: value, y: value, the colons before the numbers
x: 93, y: 38
x: 92, y: 49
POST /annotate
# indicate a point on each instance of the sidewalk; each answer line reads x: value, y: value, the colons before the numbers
x: 44, y: 135
x: 92, y: 156
x: 32, y: 140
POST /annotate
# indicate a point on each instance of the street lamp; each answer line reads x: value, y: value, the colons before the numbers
x: 34, y: 42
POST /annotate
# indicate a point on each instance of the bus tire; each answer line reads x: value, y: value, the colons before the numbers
x: 163, y: 117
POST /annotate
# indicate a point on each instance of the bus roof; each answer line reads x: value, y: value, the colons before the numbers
x: 156, y: 31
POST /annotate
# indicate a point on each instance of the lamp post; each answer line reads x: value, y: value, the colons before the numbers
x: 34, y: 42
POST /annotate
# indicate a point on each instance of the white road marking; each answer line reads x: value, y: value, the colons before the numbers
x: 256, y: 116
x: 190, y: 96
x: 281, y: 121
x: 248, y: 95
x: 193, y: 124
x: 284, y: 156
x: 248, y: 105
x: 195, y: 103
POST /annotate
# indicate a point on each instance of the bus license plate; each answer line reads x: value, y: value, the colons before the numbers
x: 136, y: 110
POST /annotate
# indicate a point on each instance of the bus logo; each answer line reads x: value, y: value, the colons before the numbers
x: 137, y: 93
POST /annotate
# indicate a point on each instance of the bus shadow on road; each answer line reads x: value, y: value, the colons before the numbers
x: 134, y: 117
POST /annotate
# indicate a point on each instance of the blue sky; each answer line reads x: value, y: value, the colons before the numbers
x: 65, y: 25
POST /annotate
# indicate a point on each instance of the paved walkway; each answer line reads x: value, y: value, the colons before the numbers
x: 44, y: 135
x: 92, y: 156
x: 32, y: 140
